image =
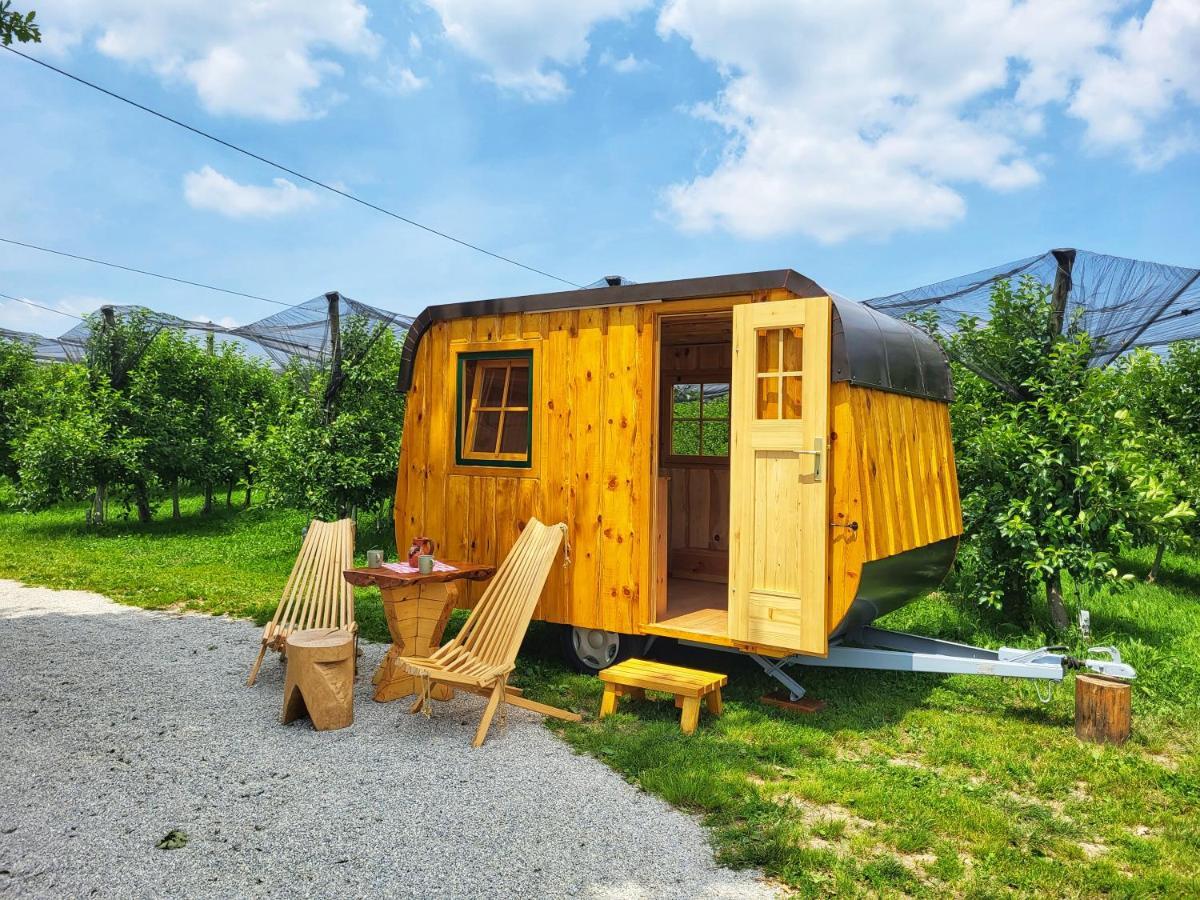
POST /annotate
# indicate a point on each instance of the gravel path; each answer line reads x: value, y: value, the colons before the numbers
x: 118, y: 725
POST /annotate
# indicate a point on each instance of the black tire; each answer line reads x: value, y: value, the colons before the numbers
x: 596, y: 654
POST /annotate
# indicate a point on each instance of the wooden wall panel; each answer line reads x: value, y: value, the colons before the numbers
x: 892, y: 471
x: 891, y: 468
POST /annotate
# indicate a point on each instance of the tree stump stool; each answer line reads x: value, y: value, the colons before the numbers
x: 320, y: 678
x: 1102, y: 709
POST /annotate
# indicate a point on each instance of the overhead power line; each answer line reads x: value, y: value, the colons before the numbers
x: 313, y: 181
x: 113, y: 265
x: 39, y: 306
x: 124, y: 268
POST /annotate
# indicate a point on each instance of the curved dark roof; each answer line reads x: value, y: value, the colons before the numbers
x: 869, y: 347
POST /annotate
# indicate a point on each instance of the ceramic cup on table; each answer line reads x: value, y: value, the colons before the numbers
x: 374, y: 559
x: 425, y: 563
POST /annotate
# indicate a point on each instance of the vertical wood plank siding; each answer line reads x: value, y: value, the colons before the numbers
x: 593, y: 374
x: 891, y: 467
x: 892, y: 472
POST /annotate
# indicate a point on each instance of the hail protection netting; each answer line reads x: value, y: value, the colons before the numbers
x: 300, y: 332
x: 1122, y: 303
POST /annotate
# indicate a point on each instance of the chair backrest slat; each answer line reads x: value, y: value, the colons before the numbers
x: 493, y: 632
x: 316, y: 595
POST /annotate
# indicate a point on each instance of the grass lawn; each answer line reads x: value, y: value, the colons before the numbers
x: 905, y: 784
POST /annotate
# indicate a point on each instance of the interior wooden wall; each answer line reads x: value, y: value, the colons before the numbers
x: 698, y: 530
x: 892, y: 471
x: 593, y: 435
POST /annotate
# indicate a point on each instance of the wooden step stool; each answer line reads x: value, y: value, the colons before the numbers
x: 634, y: 677
x: 320, y: 678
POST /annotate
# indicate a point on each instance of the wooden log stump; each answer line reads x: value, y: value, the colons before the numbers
x: 1102, y: 709
x: 320, y: 678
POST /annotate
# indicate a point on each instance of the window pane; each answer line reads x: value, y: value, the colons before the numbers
x: 716, y: 438
x: 685, y: 438
x: 686, y: 401
x: 518, y: 385
x: 492, y: 391
x: 793, y: 349
x: 486, y: 429
x: 768, y: 350
x: 793, y: 388
x: 516, y: 433
x: 716, y: 401
x: 768, y: 398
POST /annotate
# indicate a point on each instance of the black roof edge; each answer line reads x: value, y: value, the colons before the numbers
x: 648, y: 292
x: 869, y: 347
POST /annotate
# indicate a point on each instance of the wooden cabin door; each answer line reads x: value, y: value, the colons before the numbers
x: 778, y: 498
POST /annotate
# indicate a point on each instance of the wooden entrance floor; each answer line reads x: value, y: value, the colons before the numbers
x: 696, y: 610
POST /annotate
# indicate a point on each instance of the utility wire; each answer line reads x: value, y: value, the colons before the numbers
x: 113, y: 265
x: 39, y: 306
x: 292, y: 172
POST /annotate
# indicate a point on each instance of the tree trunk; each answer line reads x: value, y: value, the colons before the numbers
x: 175, y: 498
x: 208, y: 498
x: 1158, y: 555
x: 1054, y: 599
x: 229, y: 496
x: 141, y: 498
x: 246, y: 505
x: 99, y: 504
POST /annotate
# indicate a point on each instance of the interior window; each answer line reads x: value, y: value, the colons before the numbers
x: 495, y: 397
x: 700, y: 419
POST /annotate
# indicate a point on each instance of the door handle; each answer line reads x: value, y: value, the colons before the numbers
x: 817, y: 454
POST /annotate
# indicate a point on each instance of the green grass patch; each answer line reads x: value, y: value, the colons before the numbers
x: 904, y: 785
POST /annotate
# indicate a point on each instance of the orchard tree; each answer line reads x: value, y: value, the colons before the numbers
x: 75, y: 446
x: 1163, y: 394
x: 1055, y: 474
x: 335, y: 447
x: 164, y: 404
x: 17, y: 376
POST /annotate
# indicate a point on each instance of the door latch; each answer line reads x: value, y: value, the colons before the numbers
x: 817, y: 455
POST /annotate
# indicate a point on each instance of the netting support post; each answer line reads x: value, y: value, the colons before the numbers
x: 335, y: 350
x: 1062, y: 290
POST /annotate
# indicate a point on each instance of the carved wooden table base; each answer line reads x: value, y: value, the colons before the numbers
x: 416, y: 617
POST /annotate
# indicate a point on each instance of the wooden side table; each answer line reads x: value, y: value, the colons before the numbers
x: 416, y: 608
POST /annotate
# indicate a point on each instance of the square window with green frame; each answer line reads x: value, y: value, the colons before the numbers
x: 495, y: 408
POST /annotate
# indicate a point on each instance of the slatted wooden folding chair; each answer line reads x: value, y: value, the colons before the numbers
x: 481, y: 657
x: 316, y: 594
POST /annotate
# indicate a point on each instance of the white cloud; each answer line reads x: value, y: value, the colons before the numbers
x: 625, y: 65
x: 1153, y: 71
x: 398, y: 79
x: 526, y: 43
x: 266, y: 59
x: 848, y: 119
x: 18, y: 316
x: 209, y: 189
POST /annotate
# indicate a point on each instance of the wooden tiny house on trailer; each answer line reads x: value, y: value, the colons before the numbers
x: 741, y: 460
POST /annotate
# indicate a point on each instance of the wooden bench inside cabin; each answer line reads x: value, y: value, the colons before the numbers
x: 633, y: 677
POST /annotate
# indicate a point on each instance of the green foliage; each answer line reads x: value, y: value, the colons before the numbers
x: 18, y: 25
x: 75, y: 444
x: 1163, y: 394
x: 152, y: 409
x: 334, y: 451
x: 1055, y: 474
x: 17, y: 377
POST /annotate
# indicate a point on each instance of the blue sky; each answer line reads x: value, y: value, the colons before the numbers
x: 871, y: 148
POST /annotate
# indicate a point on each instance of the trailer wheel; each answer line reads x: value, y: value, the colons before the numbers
x: 589, y: 650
